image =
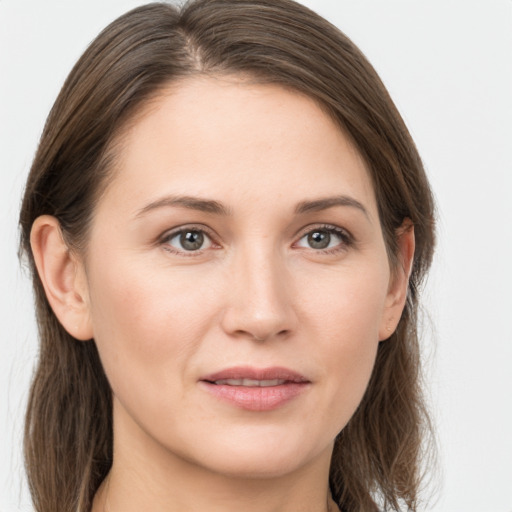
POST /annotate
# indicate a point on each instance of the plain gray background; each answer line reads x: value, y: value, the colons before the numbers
x: 448, y: 66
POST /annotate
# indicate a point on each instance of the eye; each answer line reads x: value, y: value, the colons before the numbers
x: 188, y: 240
x: 325, y: 238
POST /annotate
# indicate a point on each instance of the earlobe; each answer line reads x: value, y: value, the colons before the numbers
x: 62, y: 276
x: 399, y: 282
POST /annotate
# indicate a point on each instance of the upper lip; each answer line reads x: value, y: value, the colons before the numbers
x: 248, y: 372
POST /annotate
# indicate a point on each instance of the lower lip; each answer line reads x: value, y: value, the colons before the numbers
x: 257, y: 398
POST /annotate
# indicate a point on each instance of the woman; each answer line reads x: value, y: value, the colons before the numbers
x: 227, y: 223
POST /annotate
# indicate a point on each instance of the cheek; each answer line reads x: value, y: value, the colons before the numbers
x: 143, y: 320
x: 347, y: 303
x: 345, y: 313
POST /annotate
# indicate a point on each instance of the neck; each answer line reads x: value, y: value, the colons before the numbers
x: 144, y: 476
x: 117, y: 495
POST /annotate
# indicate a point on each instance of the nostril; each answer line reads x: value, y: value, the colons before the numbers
x: 281, y: 334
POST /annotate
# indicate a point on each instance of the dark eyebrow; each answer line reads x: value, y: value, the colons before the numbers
x: 193, y: 203
x: 324, y: 203
x: 216, y: 208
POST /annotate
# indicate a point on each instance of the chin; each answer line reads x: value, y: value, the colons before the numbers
x: 259, y: 457
x: 261, y: 466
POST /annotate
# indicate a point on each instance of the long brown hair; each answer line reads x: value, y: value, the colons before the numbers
x: 68, y: 434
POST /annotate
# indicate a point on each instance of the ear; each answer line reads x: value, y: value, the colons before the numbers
x: 399, y: 281
x: 63, y: 277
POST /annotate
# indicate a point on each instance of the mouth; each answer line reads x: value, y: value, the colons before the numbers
x: 254, y: 389
x: 250, y: 383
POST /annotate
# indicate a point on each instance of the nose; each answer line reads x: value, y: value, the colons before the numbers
x: 259, y: 293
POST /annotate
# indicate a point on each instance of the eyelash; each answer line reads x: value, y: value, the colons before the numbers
x: 346, y: 239
x: 167, y: 237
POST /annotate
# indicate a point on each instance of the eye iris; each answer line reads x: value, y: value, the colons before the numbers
x: 319, y: 239
x: 192, y: 240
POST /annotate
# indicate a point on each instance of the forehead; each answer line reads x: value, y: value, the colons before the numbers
x: 231, y: 137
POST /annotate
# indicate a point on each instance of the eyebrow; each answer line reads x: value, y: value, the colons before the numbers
x: 325, y: 203
x: 190, y: 202
x: 214, y: 207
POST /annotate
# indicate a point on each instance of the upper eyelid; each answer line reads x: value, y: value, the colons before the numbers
x: 328, y: 227
x: 170, y: 233
x: 207, y: 229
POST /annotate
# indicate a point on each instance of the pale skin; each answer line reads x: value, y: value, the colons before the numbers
x: 263, y: 177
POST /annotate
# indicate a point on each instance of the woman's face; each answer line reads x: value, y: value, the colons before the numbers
x: 237, y: 279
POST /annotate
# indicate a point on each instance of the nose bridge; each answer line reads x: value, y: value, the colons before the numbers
x: 259, y: 298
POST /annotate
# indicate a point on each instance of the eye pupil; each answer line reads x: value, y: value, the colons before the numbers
x: 192, y: 240
x: 319, y: 239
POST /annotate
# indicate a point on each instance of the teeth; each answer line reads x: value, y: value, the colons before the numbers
x: 251, y: 383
